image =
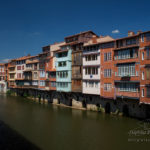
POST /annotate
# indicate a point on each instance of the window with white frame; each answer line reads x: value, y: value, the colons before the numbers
x: 142, y: 38
x: 42, y: 74
x: 126, y: 70
x: 42, y: 83
x: 128, y: 87
x: 142, y: 92
x: 142, y: 75
x: 142, y: 55
x: 107, y: 86
x: 107, y: 56
x: 107, y: 73
x: 91, y: 70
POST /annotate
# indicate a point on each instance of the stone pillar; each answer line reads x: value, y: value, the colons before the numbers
x: 55, y: 101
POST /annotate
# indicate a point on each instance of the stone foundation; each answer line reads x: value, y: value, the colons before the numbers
x: 76, y: 104
x: 55, y: 101
x: 118, y: 107
x: 92, y: 107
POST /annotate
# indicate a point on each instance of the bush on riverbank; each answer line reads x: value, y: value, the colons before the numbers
x: 9, y: 92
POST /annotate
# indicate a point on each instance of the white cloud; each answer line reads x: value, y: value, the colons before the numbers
x: 115, y: 31
x: 4, y: 60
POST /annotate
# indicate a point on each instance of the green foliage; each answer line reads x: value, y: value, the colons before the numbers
x: 9, y: 92
x: 25, y: 95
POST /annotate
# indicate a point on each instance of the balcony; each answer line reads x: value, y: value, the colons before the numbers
x: 32, y: 61
x: 28, y: 78
x: 28, y: 86
x: 28, y: 69
x: 12, y: 71
x: 76, y: 76
x: 126, y: 77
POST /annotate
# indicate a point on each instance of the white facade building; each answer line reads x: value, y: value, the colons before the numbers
x: 92, y: 66
x: 91, y: 69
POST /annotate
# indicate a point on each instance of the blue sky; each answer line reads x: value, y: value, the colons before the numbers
x: 27, y: 25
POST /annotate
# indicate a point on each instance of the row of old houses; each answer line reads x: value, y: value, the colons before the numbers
x: 88, y: 64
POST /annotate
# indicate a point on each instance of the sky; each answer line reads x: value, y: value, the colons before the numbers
x: 28, y: 25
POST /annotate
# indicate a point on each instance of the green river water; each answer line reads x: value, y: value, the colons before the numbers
x: 51, y: 127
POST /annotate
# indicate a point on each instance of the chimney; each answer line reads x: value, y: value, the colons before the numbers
x: 130, y: 33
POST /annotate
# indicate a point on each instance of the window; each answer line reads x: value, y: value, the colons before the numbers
x: 91, y: 57
x: 34, y: 82
x: 142, y: 92
x: 42, y: 74
x: 86, y: 84
x: 107, y: 56
x: 147, y: 36
x: 131, y: 41
x: 142, y: 38
x: 107, y: 72
x: 53, y: 84
x: 126, y: 70
x: 107, y: 45
x: 91, y: 70
x: 142, y: 75
x: 96, y: 84
x: 91, y: 84
x: 126, y: 54
x: 52, y: 74
x: 64, y: 54
x: 35, y: 75
x: 128, y: 87
x: 62, y: 64
x: 42, y: 83
x: 62, y: 84
x: 19, y: 75
x: 107, y: 86
x: 142, y: 55
x: 18, y: 67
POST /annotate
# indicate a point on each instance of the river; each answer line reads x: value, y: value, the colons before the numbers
x: 51, y: 127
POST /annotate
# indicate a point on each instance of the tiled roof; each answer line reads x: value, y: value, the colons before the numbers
x: 98, y: 40
x: 23, y: 58
x: 80, y: 34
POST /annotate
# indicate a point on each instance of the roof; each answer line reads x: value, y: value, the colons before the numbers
x: 56, y: 46
x: 61, y: 51
x: 81, y: 34
x: 71, y: 43
x: 98, y: 40
x: 132, y: 36
x: 128, y: 37
x: 23, y: 58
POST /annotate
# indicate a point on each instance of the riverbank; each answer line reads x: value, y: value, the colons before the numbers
x: 11, y: 140
x: 119, y: 106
